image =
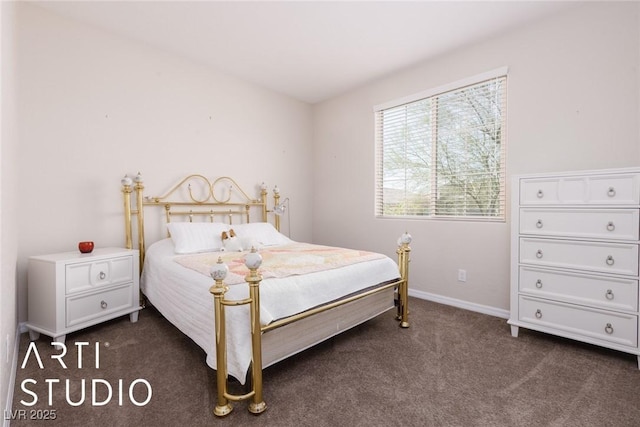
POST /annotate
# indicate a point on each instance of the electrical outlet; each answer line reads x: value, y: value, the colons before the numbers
x: 462, y: 275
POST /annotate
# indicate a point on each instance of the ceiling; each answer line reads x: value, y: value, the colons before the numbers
x: 309, y: 50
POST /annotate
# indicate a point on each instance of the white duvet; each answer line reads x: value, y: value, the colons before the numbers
x: 182, y: 296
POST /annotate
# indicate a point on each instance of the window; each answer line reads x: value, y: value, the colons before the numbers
x: 441, y: 153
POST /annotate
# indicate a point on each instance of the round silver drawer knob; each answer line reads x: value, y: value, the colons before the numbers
x: 611, y: 192
x: 103, y: 304
x: 103, y: 275
x: 538, y: 314
x: 539, y: 254
x: 610, y: 260
x: 539, y: 223
x: 540, y: 194
x: 611, y: 226
x: 538, y: 283
x: 609, y: 294
x: 608, y: 329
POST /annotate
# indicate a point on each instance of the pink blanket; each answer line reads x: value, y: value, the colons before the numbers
x: 279, y: 261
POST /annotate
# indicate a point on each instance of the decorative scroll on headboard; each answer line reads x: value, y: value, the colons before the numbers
x: 195, y: 196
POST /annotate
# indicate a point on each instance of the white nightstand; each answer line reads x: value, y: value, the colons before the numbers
x: 71, y: 291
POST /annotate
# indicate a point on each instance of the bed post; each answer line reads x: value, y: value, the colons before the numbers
x: 140, y: 205
x: 263, y: 201
x: 253, y: 260
x: 219, y: 271
x: 403, y: 288
x: 126, y: 192
x: 276, y: 202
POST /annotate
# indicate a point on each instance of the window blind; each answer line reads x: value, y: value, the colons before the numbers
x: 444, y: 155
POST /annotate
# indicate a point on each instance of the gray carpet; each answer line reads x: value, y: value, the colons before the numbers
x: 451, y: 368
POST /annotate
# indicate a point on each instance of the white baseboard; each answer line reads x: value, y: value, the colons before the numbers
x: 22, y: 327
x: 484, y: 309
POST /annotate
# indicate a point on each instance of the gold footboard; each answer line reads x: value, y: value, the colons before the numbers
x: 253, y: 261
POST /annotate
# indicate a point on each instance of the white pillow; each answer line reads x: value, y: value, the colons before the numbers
x: 262, y: 232
x: 192, y: 237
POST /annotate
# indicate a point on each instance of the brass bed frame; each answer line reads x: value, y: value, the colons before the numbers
x: 205, y: 202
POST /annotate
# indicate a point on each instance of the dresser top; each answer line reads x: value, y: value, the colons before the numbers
x: 613, y: 171
x: 73, y: 256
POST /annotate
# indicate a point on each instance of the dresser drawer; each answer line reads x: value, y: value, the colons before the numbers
x: 90, y: 275
x: 81, y: 309
x: 540, y: 191
x: 614, y: 258
x: 614, y: 189
x: 606, y: 189
x: 620, y: 224
x: 618, y: 328
x: 598, y: 291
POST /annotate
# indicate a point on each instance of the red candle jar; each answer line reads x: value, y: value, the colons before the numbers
x: 85, y: 247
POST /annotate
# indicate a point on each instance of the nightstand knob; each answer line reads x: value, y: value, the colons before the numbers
x: 611, y: 192
x: 611, y: 226
x: 538, y: 283
x: 538, y: 314
x: 539, y: 223
x: 540, y: 194
x: 609, y: 294
x: 610, y: 260
x: 103, y: 304
x: 539, y: 254
x: 103, y: 275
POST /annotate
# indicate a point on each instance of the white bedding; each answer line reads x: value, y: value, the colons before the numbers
x: 182, y: 296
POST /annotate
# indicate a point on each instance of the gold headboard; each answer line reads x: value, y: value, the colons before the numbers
x: 195, y: 196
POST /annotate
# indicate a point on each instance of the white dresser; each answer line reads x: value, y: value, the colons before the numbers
x: 69, y: 291
x: 574, y: 256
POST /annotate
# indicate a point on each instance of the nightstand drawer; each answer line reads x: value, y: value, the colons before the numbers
x: 618, y: 328
x: 89, y: 275
x: 81, y: 309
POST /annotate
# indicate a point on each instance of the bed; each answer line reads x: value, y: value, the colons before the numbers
x: 257, y: 297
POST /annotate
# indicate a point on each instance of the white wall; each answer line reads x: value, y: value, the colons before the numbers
x: 93, y: 106
x: 573, y: 95
x: 8, y: 169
